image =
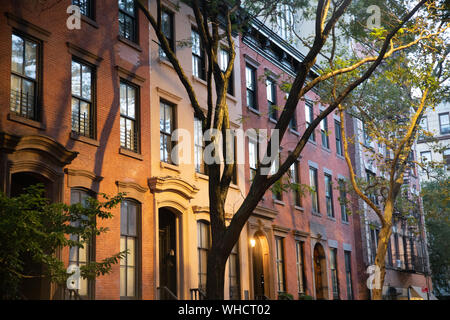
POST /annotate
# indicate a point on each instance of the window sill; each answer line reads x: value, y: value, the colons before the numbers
x: 169, y: 166
x: 199, y: 175
x: 294, y: 132
x: 196, y: 79
x: 317, y: 214
x: 25, y: 121
x: 299, y: 208
x: 345, y: 222
x: 272, y: 120
x: 254, y: 111
x: 92, y: 142
x: 167, y: 63
x: 232, y: 98
x: 89, y: 21
x: 326, y: 149
x: 314, y: 143
x: 331, y: 218
x: 129, y: 43
x: 281, y: 203
x: 340, y: 157
x: 130, y: 154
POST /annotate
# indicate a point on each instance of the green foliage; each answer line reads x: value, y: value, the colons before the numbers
x: 436, y: 202
x: 285, y: 296
x: 305, y: 297
x: 32, y: 229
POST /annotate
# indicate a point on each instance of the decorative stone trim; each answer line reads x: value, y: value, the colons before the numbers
x: 132, y: 189
x: 280, y: 230
x: 25, y: 121
x: 300, y: 234
x: 265, y: 213
x: 168, y: 95
x: 82, y: 178
x: 172, y: 184
x: 27, y: 27
x: 83, y: 54
x: 129, y: 76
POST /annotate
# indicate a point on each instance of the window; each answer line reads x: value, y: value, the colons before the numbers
x: 309, y: 115
x: 343, y: 200
x: 423, y: 126
x: 374, y: 242
x: 285, y: 21
x: 389, y: 256
x: 199, y: 147
x: 82, y: 99
x: 129, y: 241
x: 86, y: 7
x: 280, y: 264
x: 24, y: 77
x: 80, y: 256
x: 299, y: 249
x: 232, y: 157
x: 233, y: 274
x: 324, y: 133
x: 198, y: 59
x: 425, y: 156
x: 277, y: 188
x: 203, y: 248
x: 334, y: 273
x: 224, y: 58
x: 128, y: 117
x: 271, y: 99
x: 314, y: 190
x: 250, y: 77
x: 366, y: 136
x: 167, y: 30
x: 128, y: 20
x: 348, y: 274
x: 329, y: 195
x: 252, y: 157
x: 446, y: 155
x: 295, y: 183
x: 293, y: 122
x: 338, y: 133
x: 444, y: 123
x: 371, y: 194
x: 166, y: 127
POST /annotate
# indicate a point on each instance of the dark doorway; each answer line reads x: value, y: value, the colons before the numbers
x: 167, y: 254
x: 320, y: 273
x: 36, y: 287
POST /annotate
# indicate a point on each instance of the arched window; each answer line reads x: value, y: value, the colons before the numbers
x: 81, y: 256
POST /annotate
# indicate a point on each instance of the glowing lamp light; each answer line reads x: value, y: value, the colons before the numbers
x: 252, y: 243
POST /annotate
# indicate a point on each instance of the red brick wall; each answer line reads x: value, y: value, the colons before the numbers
x: 103, y: 160
x: 288, y: 216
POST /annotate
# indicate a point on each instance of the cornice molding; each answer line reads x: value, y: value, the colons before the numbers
x: 172, y: 184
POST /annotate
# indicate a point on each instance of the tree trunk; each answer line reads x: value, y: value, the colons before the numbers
x: 215, y: 277
x: 383, y: 241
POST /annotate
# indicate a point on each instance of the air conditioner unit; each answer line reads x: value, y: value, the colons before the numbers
x: 399, y: 264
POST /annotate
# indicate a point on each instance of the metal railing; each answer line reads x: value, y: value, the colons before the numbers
x: 166, y: 294
x: 197, y: 294
x: 23, y: 104
x: 129, y: 139
x: 82, y: 124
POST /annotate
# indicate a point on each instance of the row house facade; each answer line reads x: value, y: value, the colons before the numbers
x: 407, y: 266
x: 308, y: 237
x: 96, y: 108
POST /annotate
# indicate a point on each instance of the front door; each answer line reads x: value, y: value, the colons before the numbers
x: 167, y: 255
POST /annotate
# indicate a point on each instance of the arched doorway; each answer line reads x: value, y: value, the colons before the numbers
x: 168, y: 281
x: 320, y: 272
x: 35, y: 287
x: 260, y: 256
